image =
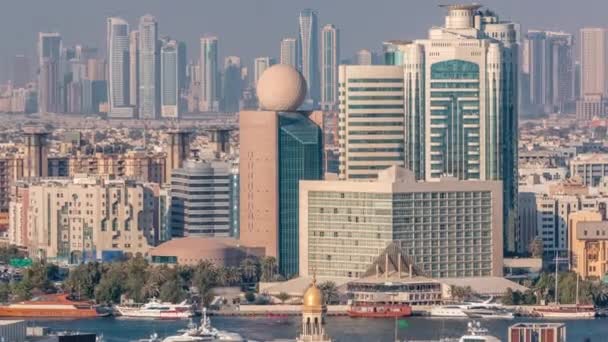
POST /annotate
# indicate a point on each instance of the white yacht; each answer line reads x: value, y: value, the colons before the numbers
x: 476, y: 333
x: 157, y: 309
x: 455, y: 311
x: 488, y: 312
x: 204, y: 332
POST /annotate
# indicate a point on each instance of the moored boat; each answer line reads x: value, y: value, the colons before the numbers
x: 567, y: 311
x: 379, y: 310
x: 157, y: 309
x: 57, y: 305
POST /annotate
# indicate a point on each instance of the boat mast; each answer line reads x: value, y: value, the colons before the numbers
x: 556, y: 287
x: 577, y: 289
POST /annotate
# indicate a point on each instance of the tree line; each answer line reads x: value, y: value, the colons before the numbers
x: 138, y: 280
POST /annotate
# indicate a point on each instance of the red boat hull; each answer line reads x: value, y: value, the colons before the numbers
x: 65, y: 313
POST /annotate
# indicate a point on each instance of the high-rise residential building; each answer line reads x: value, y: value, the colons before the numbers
x: 594, y: 61
x: 445, y: 228
x: 308, y: 46
x: 119, y: 84
x: 461, y: 103
x: 134, y: 70
x: 20, y: 71
x: 49, y: 77
x: 232, y: 84
x: 363, y: 57
x: 149, y: 68
x: 372, y: 119
x: 113, y: 216
x: 170, y: 97
x: 289, y: 52
x: 279, y: 147
x: 548, y: 69
x: 200, y: 199
x: 260, y: 64
x: 330, y: 58
x: 590, y: 168
x: 588, y: 244
x: 35, y: 163
x: 209, y: 99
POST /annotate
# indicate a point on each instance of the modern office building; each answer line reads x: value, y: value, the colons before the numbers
x: 209, y: 99
x: 149, y: 68
x: 170, y: 91
x: 594, y: 60
x: 260, y: 64
x: 134, y: 70
x: 232, y: 84
x: 308, y: 46
x: 20, y: 72
x: 289, y: 52
x: 200, y: 199
x: 49, y: 77
x: 371, y: 120
x: 119, y: 84
x: 588, y: 244
x: 445, y: 228
x: 279, y: 147
x: 591, y: 106
x: 363, y: 57
x: 88, y: 218
x: 548, y: 67
x: 330, y: 58
x: 591, y: 168
x: 461, y: 103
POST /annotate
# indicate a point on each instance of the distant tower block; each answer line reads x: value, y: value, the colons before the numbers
x: 179, y: 150
x: 221, y: 138
x: 36, y: 153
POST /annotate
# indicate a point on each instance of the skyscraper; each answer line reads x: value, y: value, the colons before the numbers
x: 260, y: 64
x: 279, y: 147
x: 289, y: 52
x: 118, y: 68
x: 149, y: 68
x: 460, y: 102
x: 232, y: 84
x: 308, y: 45
x: 548, y: 69
x: 134, y: 70
x: 330, y: 57
x: 209, y: 100
x: 20, y: 71
x: 594, y: 61
x: 49, y: 59
x: 169, y: 80
x: 363, y: 57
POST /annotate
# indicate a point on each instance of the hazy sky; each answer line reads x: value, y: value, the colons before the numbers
x: 250, y: 28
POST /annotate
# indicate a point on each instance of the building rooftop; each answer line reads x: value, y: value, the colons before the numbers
x: 485, y: 286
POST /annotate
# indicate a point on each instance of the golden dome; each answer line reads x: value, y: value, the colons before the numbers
x: 313, y: 297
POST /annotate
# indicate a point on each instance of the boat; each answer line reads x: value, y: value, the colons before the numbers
x: 456, y: 311
x: 157, y: 309
x: 153, y: 338
x: 379, y: 310
x: 475, y: 333
x: 567, y: 311
x: 488, y: 312
x: 56, y: 305
x: 556, y: 310
x: 205, y: 332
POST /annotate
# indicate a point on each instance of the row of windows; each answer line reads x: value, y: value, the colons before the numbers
x: 384, y: 97
x: 376, y: 115
x: 375, y: 89
x: 371, y: 124
x: 375, y: 80
x: 377, y: 106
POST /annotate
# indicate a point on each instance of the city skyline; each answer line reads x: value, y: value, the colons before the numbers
x: 89, y: 25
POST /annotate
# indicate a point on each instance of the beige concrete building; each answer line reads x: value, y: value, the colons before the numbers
x: 133, y: 164
x: 83, y: 218
x: 372, y: 120
x: 588, y: 244
x: 594, y: 59
x: 446, y: 228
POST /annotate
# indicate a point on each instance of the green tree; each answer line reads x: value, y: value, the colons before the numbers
x: 536, y: 248
x: 82, y: 280
x: 22, y: 290
x: 330, y: 292
x: 461, y: 293
x: 250, y: 296
x: 5, y: 292
x: 233, y: 276
x: 173, y: 289
x: 136, y: 274
x: 9, y: 252
x: 156, y: 276
x: 269, y: 268
x: 507, y: 297
x: 250, y: 269
x: 110, y: 287
x: 283, y: 297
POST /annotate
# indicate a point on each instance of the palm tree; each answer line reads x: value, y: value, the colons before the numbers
x: 269, y: 268
x: 155, y: 278
x: 233, y: 275
x: 250, y: 269
x: 330, y: 292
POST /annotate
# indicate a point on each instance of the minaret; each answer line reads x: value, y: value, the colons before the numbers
x: 313, y: 315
